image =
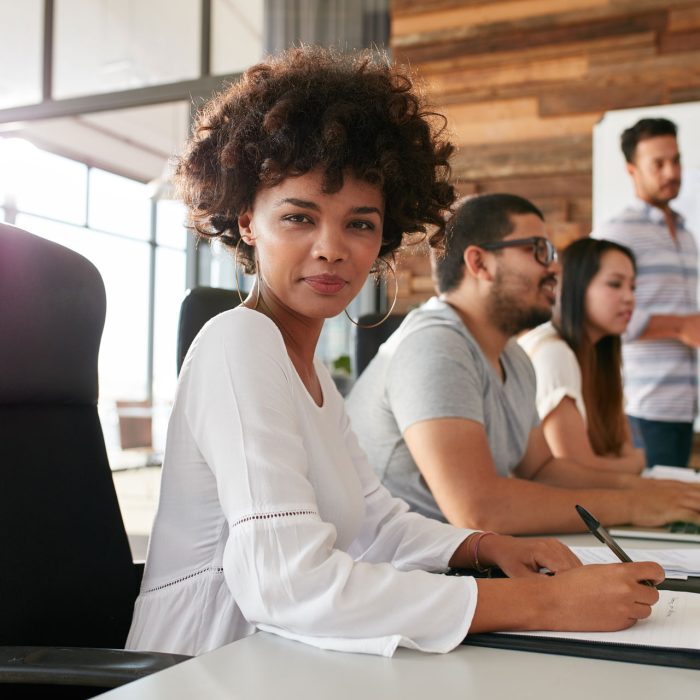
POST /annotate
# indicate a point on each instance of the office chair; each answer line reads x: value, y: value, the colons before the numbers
x: 368, y: 340
x: 67, y: 581
x: 199, y: 305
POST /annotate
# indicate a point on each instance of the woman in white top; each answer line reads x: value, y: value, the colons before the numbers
x: 312, y: 167
x: 577, y: 358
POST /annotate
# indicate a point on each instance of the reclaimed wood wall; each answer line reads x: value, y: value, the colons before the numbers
x: 523, y: 82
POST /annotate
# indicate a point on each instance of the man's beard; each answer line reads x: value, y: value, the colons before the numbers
x: 504, y: 309
x: 662, y: 201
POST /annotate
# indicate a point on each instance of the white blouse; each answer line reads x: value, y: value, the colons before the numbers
x: 271, y: 518
x: 556, y: 367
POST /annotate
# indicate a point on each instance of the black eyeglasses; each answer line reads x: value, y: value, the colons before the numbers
x: 543, y: 248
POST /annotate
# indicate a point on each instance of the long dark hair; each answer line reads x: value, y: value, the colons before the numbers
x: 601, y: 364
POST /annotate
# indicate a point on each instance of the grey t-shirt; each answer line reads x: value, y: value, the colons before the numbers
x: 432, y: 367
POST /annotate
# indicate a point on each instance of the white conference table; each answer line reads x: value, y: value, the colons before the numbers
x: 266, y: 666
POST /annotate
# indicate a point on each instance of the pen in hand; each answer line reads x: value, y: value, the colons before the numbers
x: 605, y: 537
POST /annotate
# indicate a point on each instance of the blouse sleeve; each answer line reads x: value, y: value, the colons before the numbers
x: 558, y: 376
x: 280, y: 561
x: 390, y: 532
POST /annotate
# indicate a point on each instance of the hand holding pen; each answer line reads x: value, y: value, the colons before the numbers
x: 605, y: 537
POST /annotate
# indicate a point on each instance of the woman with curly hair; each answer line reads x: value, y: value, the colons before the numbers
x: 577, y: 358
x: 312, y: 168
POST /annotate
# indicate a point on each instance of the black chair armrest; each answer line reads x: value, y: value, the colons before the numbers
x: 77, y: 666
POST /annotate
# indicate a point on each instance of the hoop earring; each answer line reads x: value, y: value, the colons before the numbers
x: 391, y: 308
x: 238, y: 284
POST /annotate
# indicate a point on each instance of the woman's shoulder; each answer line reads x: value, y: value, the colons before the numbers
x: 240, y: 326
x: 538, y: 336
x: 242, y: 335
x: 547, y: 350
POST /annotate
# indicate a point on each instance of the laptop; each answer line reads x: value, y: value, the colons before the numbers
x: 673, y: 532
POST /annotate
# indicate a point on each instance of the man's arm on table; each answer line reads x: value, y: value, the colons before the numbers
x: 455, y: 460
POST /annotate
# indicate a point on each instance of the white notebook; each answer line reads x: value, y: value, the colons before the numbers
x: 669, y: 637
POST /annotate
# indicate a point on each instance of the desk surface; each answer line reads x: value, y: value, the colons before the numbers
x: 266, y: 666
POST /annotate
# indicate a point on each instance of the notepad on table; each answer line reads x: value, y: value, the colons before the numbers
x: 669, y: 637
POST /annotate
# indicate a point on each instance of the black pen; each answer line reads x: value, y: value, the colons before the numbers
x: 605, y: 537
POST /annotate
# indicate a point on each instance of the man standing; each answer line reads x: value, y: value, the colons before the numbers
x: 659, y: 349
x: 446, y: 409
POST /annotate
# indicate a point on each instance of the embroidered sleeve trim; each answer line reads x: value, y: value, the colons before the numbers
x: 271, y: 516
x: 218, y: 569
x: 209, y: 569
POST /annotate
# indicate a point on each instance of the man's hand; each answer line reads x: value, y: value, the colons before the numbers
x: 658, y: 502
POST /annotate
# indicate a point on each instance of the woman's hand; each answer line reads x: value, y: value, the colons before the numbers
x: 594, y: 598
x: 525, y: 556
x: 604, y: 597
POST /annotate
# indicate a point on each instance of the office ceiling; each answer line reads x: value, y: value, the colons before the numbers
x: 133, y: 142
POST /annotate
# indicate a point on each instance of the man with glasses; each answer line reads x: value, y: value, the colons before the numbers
x: 446, y: 410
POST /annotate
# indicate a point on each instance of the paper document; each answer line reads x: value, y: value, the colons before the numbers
x: 675, y: 473
x: 674, y: 623
x: 677, y: 563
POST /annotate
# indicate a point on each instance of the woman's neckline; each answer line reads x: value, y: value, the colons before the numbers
x: 307, y: 393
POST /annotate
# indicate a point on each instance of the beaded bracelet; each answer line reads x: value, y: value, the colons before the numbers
x: 475, y: 551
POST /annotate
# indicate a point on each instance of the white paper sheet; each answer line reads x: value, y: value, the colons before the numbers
x: 674, y: 623
x: 677, y: 563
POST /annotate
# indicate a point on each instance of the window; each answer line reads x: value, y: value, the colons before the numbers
x: 42, y: 183
x: 110, y: 45
x: 138, y: 246
x: 21, y: 52
x: 236, y: 35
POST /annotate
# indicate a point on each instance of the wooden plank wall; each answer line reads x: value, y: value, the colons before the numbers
x: 522, y: 83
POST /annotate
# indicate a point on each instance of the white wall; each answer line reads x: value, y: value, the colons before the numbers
x: 612, y: 187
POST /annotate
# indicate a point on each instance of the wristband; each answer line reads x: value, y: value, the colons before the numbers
x: 475, y: 551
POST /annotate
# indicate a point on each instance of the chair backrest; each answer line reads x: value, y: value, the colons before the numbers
x: 199, y: 305
x: 67, y: 574
x: 368, y: 340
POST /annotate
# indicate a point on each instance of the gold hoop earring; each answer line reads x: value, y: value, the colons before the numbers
x: 238, y: 284
x: 391, y: 308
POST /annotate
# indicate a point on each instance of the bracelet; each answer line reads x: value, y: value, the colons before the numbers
x: 475, y: 551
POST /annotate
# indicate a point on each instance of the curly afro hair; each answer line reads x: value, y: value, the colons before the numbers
x: 309, y: 108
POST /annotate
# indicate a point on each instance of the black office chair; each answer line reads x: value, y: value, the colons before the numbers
x: 67, y: 578
x: 199, y: 305
x: 368, y: 340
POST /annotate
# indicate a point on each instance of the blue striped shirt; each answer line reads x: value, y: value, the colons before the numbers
x: 660, y: 375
